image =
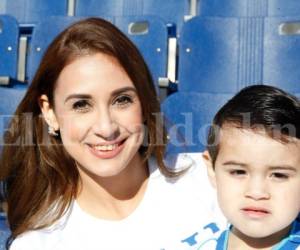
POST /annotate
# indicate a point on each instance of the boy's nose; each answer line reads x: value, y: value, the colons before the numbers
x: 257, y: 189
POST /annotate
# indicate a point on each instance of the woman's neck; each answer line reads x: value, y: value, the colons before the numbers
x: 115, y: 197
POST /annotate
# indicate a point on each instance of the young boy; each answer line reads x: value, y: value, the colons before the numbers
x: 253, y: 161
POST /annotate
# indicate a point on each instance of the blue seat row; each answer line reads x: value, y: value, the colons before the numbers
x: 226, y: 54
x: 29, y: 12
x: 149, y: 33
x: 215, y: 54
x: 232, y: 45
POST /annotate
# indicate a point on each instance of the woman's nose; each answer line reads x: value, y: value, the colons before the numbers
x: 105, y: 125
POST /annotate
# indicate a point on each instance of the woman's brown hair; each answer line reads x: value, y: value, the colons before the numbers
x: 42, y: 179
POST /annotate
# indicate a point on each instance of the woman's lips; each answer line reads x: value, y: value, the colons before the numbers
x: 107, y: 151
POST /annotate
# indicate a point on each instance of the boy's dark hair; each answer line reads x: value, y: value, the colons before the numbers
x: 257, y: 107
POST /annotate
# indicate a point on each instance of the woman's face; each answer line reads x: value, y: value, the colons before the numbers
x: 98, y: 113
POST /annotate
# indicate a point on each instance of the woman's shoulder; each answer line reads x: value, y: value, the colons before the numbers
x: 27, y: 241
x: 36, y: 240
x: 45, y: 238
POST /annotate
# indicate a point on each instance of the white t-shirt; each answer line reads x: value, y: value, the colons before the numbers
x: 173, y: 215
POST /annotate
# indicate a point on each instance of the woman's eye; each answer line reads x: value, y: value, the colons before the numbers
x: 237, y: 172
x: 280, y: 176
x: 81, y: 106
x: 123, y: 100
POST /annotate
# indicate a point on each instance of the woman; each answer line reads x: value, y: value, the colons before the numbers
x: 97, y: 179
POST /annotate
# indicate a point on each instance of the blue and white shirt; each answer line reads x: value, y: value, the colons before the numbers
x: 291, y: 242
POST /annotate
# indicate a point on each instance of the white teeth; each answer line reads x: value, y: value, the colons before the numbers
x: 105, y: 147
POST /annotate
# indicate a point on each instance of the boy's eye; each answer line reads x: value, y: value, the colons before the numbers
x: 81, y: 106
x: 237, y: 172
x: 281, y: 176
x: 123, y: 100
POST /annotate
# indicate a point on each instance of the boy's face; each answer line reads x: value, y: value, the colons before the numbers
x: 258, y: 181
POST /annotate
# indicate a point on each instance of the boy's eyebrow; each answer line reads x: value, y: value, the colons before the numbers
x: 243, y: 165
x: 283, y: 167
x: 87, y: 96
x: 235, y: 163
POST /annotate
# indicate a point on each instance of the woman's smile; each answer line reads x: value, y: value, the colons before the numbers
x: 107, y: 151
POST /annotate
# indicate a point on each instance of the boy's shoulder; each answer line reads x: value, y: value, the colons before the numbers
x: 292, y: 241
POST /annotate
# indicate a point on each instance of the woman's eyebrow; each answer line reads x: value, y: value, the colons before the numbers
x: 87, y: 96
x: 124, y: 89
x: 78, y: 96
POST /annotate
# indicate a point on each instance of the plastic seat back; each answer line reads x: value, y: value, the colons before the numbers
x: 172, y: 11
x: 188, y: 117
x: 42, y: 37
x: 4, y: 231
x: 9, y: 40
x: 149, y: 34
x: 29, y: 12
x: 9, y: 99
x: 280, y: 53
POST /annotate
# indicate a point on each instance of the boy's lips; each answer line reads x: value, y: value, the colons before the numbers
x: 256, y: 212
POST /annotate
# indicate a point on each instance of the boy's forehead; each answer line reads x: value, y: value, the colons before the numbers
x: 230, y: 130
x: 257, y: 146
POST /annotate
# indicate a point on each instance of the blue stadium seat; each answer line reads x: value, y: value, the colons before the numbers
x: 208, y: 49
x: 281, y: 62
x: 4, y: 231
x: 28, y: 12
x: 172, y: 11
x: 149, y: 33
x: 9, y: 40
x: 188, y: 122
x: 42, y: 37
x: 227, y: 54
x: 249, y: 8
x: 9, y: 99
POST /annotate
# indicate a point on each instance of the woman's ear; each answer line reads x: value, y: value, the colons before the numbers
x: 48, y: 112
x: 210, y: 168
